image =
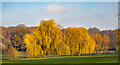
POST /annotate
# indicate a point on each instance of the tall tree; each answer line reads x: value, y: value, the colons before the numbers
x: 48, y: 36
x: 77, y: 39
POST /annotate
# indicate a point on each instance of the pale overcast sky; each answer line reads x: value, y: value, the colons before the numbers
x: 68, y: 14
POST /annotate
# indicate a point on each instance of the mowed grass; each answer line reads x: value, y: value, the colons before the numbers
x: 106, y: 58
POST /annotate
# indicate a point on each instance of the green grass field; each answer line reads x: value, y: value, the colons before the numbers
x: 105, y: 58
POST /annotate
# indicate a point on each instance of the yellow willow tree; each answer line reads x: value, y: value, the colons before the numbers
x: 98, y: 40
x: 77, y: 39
x: 33, y: 49
x: 45, y: 38
x: 106, y: 42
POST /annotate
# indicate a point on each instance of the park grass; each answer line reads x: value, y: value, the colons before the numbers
x: 105, y: 58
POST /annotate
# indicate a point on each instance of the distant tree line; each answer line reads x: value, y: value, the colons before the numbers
x: 13, y: 36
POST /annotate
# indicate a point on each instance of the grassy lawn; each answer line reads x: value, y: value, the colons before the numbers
x: 106, y: 58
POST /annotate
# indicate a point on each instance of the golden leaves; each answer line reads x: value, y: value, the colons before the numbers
x: 49, y: 37
x: 77, y: 39
x: 12, y: 52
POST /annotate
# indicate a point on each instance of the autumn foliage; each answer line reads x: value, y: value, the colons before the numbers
x: 117, y: 39
x: 78, y: 40
x: 48, y: 39
x: 98, y: 39
x: 12, y: 52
